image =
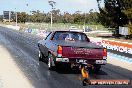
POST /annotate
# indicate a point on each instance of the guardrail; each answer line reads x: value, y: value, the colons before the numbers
x: 123, y: 47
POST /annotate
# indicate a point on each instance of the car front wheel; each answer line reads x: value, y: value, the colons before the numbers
x: 51, y: 64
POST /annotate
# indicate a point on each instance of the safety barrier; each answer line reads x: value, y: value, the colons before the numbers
x: 119, y: 46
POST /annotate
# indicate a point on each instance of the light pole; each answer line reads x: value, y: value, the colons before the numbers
x: 85, y: 13
x: 51, y: 19
x: 9, y: 16
x: 16, y: 16
x: 52, y: 4
x: 84, y: 21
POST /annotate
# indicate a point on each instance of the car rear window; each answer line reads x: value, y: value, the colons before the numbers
x: 70, y: 36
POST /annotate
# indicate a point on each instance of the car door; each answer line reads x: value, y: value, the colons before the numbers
x: 44, y: 45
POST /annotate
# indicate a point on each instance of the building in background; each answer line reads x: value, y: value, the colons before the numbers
x: 8, y: 16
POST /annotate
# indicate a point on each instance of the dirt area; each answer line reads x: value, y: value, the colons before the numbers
x: 10, y: 74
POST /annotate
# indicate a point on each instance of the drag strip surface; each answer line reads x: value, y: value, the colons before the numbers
x: 23, y: 47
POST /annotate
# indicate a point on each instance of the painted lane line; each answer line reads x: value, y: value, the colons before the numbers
x: 122, y: 58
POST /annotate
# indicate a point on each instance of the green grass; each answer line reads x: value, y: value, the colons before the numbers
x: 59, y: 26
x: 109, y: 38
x: 92, y: 35
x: 62, y: 26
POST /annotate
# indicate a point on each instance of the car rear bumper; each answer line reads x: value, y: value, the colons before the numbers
x: 78, y: 61
x: 62, y: 60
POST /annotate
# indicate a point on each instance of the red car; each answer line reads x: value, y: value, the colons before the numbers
x: 73, y: 48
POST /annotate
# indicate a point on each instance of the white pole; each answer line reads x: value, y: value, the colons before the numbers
x: 9, y: 16
x: 52, y: 3
x: 16, y: 17
x: 84, y: 22
x: 51, y: 19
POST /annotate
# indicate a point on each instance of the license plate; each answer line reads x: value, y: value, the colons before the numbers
x: 101, y: 61
x: 81, y: 61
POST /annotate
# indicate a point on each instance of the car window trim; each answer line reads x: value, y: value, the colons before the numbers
x: 48, y: 35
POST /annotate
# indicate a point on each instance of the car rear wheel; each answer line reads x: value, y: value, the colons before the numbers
x: 40, y: 56
x: 50, y: 62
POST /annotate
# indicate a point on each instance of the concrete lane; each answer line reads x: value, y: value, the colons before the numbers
x: 11, y: 75
x: 23, y: 47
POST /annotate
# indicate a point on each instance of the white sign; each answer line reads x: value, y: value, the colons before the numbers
x: 123, y: 31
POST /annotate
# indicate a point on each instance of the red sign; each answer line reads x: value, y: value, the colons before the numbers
x: 118, y: 46
x: 110, y: 82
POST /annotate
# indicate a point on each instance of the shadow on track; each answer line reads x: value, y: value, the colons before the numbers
x: 65, y: 69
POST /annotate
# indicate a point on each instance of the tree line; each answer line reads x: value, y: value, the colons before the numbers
x: 58, y: 17
x: 115, y: 13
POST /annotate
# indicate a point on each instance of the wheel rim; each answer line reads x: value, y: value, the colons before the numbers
x: 49, y: 63
x: 39, y: 54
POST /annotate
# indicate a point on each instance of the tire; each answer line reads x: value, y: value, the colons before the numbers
x: 40, y: 55
x: 86, y: 82
x: 50, y: 62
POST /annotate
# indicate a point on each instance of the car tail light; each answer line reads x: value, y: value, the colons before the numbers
x: 59, y: 51
x: 105, y: 53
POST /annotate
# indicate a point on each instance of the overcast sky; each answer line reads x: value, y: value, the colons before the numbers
x: 42, y: 5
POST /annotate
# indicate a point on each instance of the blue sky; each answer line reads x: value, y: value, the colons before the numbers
x: 42, y: 5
